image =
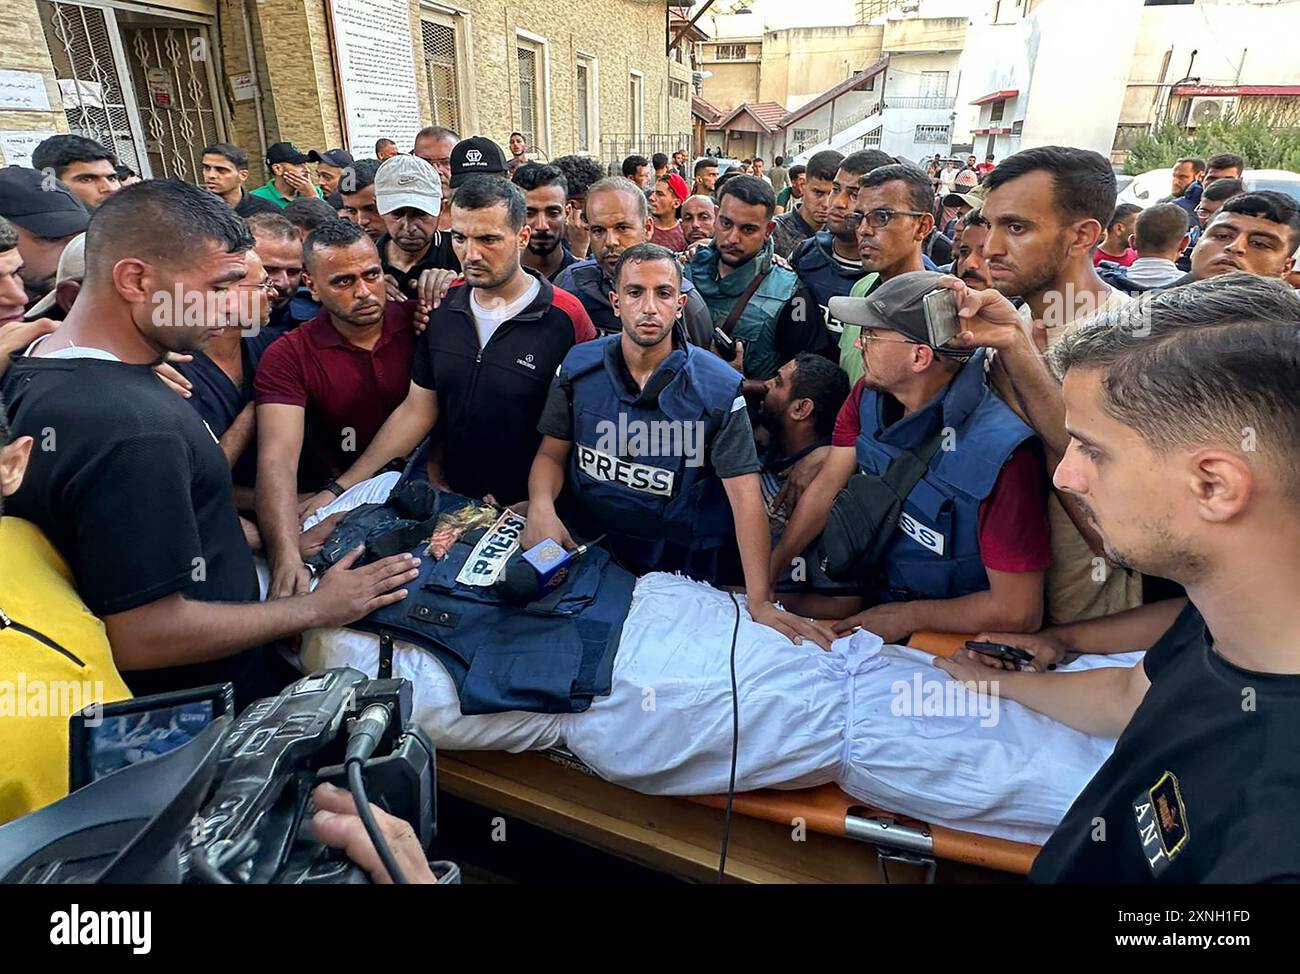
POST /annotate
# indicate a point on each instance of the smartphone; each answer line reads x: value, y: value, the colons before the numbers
x: 104, y: 738
x: 941, y: 316
x: 726, y: 345
x: 1002, y: 652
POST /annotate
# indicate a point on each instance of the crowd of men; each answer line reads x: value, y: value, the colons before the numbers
x: 1108, y: 442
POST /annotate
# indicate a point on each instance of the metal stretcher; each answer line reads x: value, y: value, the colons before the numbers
x: 812, y: 835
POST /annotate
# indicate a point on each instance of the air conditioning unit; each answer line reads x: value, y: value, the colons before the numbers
x: 1203, y: 110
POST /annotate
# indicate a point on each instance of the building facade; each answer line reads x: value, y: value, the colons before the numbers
x: 157, y: 81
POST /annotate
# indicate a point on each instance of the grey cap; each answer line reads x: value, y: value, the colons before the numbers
x: 897, y: 305
x: 408, y: 181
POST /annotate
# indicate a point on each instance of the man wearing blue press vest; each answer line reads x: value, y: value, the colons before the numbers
x: 971, y: 546
x: 651, y: 446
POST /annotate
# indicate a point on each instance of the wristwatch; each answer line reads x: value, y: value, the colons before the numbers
x: 334, y: 488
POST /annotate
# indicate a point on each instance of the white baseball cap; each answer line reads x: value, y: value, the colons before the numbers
x: 408, y: 181
x: 72, y: 267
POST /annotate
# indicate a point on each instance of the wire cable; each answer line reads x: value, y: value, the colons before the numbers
x: 358, y: 788
x: 735, y: 746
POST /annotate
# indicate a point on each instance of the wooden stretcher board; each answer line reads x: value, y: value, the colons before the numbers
x: 776, y: 836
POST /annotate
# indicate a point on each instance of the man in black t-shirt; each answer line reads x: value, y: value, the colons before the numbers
x: 1183, y: 414
x: 126, y: 480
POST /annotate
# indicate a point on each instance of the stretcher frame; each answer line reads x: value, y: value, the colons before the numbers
x: 809, y: 835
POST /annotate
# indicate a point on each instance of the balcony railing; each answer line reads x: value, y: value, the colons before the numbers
x: 920, y: 101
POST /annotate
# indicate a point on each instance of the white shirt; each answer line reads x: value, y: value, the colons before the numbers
x: 488, y: 320
x: 947, y: 180
x: 74, y: 351
x: 1153, y: 271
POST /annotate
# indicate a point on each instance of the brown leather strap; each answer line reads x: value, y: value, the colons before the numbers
x: 729, y: 323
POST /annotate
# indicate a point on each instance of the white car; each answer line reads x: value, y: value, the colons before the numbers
x: 1151, y: 187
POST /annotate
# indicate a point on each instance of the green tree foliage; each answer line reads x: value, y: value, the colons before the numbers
x: 1268, y: 138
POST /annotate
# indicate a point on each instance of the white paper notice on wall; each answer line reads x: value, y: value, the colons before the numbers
x: 23, y: 91
x: 243, y: 87
x: 17, y: 147
x: 81, y: 94
x: 376, y: 62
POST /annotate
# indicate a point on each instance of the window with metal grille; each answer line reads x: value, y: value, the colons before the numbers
x: 529, y: 109
x: 936, y: 134
x: 1017, y: 127
x: 442, y: 71
x: 730, y: 52
x: 582, y: 106
x: 873, y: 137
x: 995, y: 113
x: 934, y: 84
x: 804, y: 135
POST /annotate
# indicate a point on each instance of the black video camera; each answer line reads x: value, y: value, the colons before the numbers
x: 231, y: 804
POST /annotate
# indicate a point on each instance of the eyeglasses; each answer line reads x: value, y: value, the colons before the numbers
x: 864, y: 337
x: 876, y: 219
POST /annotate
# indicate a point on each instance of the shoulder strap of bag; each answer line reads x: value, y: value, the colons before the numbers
x: 738, y: 309
x: 906, y: 470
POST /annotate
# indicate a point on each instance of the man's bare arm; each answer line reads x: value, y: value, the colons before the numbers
x: 279, y: 446
x: 809, y: 516
x: 234, y: 441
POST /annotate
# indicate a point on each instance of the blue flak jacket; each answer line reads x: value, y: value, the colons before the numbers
x: 822, y: 275
x: 553, y: 656
x: 659, y: 513
x: 936, y: 553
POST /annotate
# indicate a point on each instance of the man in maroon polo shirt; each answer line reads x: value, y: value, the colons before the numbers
x: 324, y: 390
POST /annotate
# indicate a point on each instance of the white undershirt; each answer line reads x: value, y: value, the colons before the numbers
x: 488, y: 320
x: 74, y: 351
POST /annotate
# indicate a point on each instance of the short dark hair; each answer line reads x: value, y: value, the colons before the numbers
x: 864, y: 160
x: 309, y: 212
x: 579, y: 173
x: 127, y: 225
x: 5, y: 435
x: 642, y: 252
x: 1083, y: 181
x: 824, y: 165
x: 534, y: 175
x: 232, y: 153
x: 380, y: 143
x: 632, y: 163
x: 1200, y: 363
x: 920, y: 190
x: 8, y: 236
x: 778, y: 160
x: 125, y: 172
x: 972, y: 218
x: 1227, y: 160
x: 480, y: 191
x: 659, y: 161
x: 797, y: 171
x: 437, y: 132
x: 274, y: 226
x: 707, y: 162
x: 1223, y: 189
x: 358, y: 176
x: 520, y: 134
x: 1160, y: 227
x: 335, y: 199
x: 1122, y: 213
x: 60, y: 151
x: 825, y: 383
x: 1198, y: 164
x: 339, y: 233
x: 751, y: 190
x: 1268, y: 204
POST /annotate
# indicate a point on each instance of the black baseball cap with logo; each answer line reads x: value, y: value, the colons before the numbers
x: 476, y: 157
x: 40, y: 204
x: 339, y: 158
x: 285, y: 152
x: 898, y: 305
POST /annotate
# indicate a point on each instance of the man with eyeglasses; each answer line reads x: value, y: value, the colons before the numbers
x: 971, y: 548
x: 891, y: 218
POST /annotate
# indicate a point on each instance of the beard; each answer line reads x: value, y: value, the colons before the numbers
x: 1030, y: 282
x: 543, y: 245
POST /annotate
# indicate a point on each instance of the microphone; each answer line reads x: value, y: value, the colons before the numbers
x: 541, y: 569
